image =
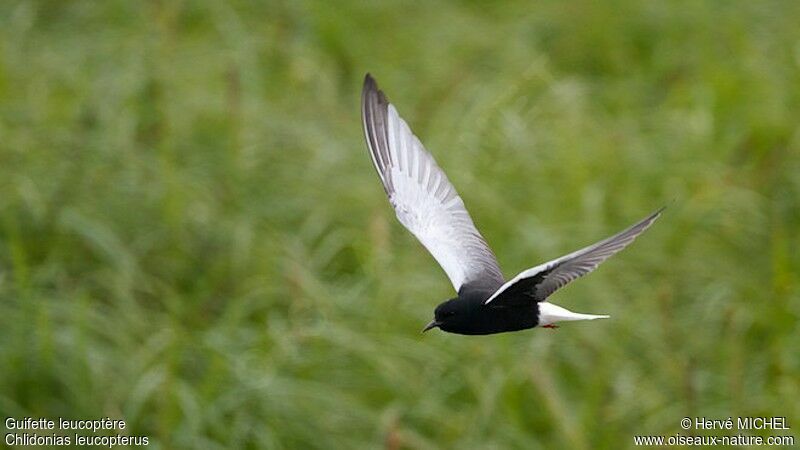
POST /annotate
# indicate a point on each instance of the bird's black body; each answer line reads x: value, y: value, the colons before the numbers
x: 468, y: 313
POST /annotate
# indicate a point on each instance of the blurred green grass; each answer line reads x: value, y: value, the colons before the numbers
x: 192, y: 237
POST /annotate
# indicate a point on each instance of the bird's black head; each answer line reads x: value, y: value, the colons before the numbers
x: 447, y: 314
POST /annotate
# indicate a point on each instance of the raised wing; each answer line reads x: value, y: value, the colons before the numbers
x: 540, y: 282
x: 423, y: 198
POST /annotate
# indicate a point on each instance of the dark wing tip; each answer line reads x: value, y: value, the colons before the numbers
x: 652, y: 218
x: 374, y: 107
x: 371, y: 91
x: 636, y: 229
x: 369, y: 84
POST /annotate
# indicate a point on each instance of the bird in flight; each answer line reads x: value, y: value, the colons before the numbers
x: 427, y: 204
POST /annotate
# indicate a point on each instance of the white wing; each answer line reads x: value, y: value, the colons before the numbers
x: 541, y: 281
x: 423, y: 198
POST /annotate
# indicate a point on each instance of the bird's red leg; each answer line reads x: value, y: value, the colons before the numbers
x: 550, y: 325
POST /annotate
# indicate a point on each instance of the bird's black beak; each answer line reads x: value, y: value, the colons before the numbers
x: 433, y: 324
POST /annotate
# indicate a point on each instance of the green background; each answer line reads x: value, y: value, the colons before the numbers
x: 193, y: 239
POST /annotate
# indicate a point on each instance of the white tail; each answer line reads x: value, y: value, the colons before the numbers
x: 550, y: 313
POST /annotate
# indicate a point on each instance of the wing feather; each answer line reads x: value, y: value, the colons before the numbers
x: 423, y: 198
x: 540, y: 282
